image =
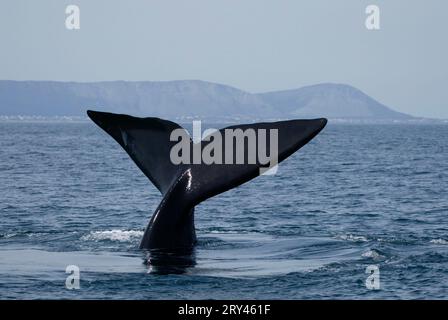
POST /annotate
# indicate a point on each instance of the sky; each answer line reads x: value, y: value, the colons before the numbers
x: 254, y: 45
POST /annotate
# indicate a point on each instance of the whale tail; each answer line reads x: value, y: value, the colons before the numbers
x: 183, y: 185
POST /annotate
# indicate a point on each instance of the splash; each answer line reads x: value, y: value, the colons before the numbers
x: 113, y: 235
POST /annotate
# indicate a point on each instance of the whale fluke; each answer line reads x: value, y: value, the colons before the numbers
x: 146, y: 140
x: 184, y: 185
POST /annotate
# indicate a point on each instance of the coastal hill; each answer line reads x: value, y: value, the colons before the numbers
x: 188, y: 98
x: 331, y: 101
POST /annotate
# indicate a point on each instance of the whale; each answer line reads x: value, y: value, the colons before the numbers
x: 149, y: 143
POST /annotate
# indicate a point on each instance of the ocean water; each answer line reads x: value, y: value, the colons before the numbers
x: 356, y: 196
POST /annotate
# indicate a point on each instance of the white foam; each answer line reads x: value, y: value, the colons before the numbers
x: 223, y: 232
x: 350, y: 237
x: 439, y: 241
x: 114, y: 235
x: 372, y: 254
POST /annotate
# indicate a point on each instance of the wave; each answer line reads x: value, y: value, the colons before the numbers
x: 28, y: 234
x: 8, y: 235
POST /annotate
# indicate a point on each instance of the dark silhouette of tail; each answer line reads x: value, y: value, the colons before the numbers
x: 184, y: 185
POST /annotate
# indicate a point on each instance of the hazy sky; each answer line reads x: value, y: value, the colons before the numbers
x: 254, y: 45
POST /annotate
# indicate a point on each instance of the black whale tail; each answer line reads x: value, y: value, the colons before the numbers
x: 148, y: 142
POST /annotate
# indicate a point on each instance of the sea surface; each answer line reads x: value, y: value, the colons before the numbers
x: 358, y: 195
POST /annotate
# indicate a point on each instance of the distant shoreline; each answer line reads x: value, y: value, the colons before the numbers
x: 81, y: 119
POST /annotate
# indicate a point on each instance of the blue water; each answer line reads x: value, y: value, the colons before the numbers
x: 357, y: 195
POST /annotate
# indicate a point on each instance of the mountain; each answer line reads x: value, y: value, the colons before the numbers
x: 332, y: 101
x: 188, y: 98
